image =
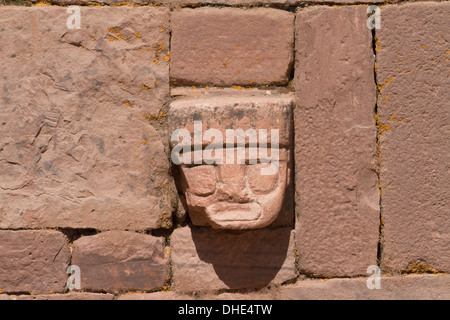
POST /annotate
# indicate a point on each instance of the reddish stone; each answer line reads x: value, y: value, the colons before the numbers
x: 121, y: 260
x: 76, y: 150
x: 207, y: 259
x: 69, y: 296
x: 335, y: 142
x: 413, y: 68
x: 225, y: 46
x: 33, y: 261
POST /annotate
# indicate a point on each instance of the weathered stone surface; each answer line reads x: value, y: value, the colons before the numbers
x: 230, y: 195
x: 226, y: 46
x: 261, y: 2
x: 207, y: 259
x: 4, y: 297
x: 413, y: 57
x: 414, y: 287
x: 337, y: 200
x: 33, y: 261
x: 162, y: 295
x: 121, y: 260
x: 76, y: 150
x: 69, y: 296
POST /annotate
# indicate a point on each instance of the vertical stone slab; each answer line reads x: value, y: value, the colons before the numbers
x: 76, y: 150
x: 226, y: 46
x: 337, y: 200
x: 121, y: 260
x: 33, y: 261
x: 413, y: 56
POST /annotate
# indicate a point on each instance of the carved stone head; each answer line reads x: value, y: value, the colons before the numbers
x: 233, y: 159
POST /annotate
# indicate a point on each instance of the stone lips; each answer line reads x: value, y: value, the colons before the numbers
x: 76, y: 151
x: 413, y: 76
x: 223, y: 46
x: 337, y: 200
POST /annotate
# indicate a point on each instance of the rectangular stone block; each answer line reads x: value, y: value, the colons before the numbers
x: 121, y: 260
x: 72, y: 296
x: 76, y: 150
x: 413, y: 68
x: 207, y: 259
x: 414, y: 287
x: 33, y: 261
x: 225, y: 46
x: 337, y: 200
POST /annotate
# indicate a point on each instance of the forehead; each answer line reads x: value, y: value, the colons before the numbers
x: 230, y: 156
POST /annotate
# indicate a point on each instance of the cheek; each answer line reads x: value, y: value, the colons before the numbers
x: 201, y: 180
x: 261, y: 184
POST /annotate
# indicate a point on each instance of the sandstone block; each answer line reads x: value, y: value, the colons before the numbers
x: 413, y: 68
x: 33, y: 261
x: 207, y: 259
x: 76, y: 296
x: 121, y: 260
x: 337, y: 200
x: 225, y: 46
x: 76, y: 149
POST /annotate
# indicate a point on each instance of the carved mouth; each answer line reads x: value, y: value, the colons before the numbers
x: 234, y: 212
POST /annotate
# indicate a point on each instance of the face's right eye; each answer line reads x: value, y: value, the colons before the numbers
x: 201, y: 180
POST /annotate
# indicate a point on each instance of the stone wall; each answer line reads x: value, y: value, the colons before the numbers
x: 88, y: 188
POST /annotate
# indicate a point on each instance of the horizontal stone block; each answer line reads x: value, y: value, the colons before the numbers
x: 33, y: 261
x: 121, y: 260
x: 69, y: 296
x: 207, y: 259
x: 413, y: 68
x: 162, y: 295
x: 337, y: 200
x: 225, y: 46
x: 76, y: 149
x: 414, y: 287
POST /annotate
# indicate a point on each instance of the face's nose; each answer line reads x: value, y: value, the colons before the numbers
x: 232, y: 185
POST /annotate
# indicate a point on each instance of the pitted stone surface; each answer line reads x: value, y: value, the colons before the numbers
x: 337, y: 200
x: 207, y: 259
x: 226, y: 46
x: 413, y: 56
x: 76, y: 150
x: 121, y: 260
x: 33, y: 261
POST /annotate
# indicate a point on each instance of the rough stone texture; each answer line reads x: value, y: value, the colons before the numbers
x: 121, y: 260
x: 227, y: 196
x: 414, y: 287
x: 261, y: 2
x: 337, y: 200
x: 76, y: 150
x: 162, y: 295
x: 4, y: 297
x: 69, y: 296
x: 413, y: 71
x: 225, y: 46
x: 33, y: 261
x: 207, y: 259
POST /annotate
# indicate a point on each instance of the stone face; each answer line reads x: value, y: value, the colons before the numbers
x: 414, y: 287
x: 121, y: 260
x: 76, y: 150
x: 260, y: 2
x: 33, y: 261
x: 413, y: 57
x: 228, y: 194
x: 207, y: 259
x: 224, y: 46
x: 337, y: 200
x: 69, y: 296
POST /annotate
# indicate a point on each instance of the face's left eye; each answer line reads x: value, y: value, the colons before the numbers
x: 259, y: 183
x: 201, y: 180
